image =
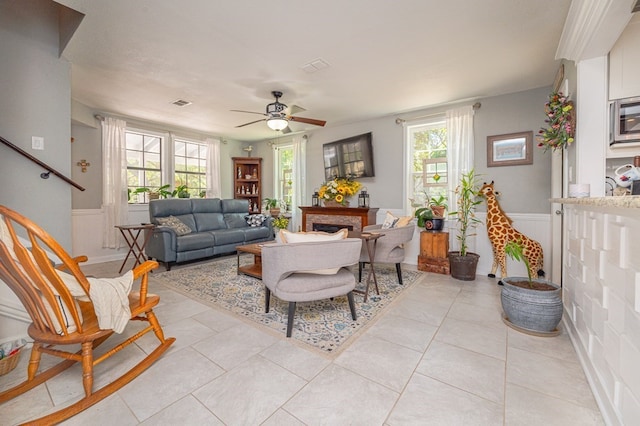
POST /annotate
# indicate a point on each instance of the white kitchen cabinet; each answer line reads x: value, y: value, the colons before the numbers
x: 624, y: 63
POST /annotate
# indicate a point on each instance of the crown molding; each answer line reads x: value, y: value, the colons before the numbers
x: 592, y: 27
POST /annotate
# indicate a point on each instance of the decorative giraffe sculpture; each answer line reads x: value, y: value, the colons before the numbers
x: 501, y: 232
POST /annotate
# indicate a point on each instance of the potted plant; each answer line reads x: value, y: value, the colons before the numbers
x: 162, y: 192
x: 181, y: 191
x: 272, y: 205
x: 438, y: 205
x: 463, y: 263
x: 140, y: 190
x: 427, y: 219
x: 531, y: 305
x: 280, y: 222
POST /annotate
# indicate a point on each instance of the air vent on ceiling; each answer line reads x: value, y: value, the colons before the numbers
x: 181, y: 103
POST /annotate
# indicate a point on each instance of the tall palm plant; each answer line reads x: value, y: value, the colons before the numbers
x: 466, y: 193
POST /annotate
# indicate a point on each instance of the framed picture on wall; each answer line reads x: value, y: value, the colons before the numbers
x: 513, y: 149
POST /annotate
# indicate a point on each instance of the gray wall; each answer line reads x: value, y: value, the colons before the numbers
x: 36, y: 96
x: 526, y: 188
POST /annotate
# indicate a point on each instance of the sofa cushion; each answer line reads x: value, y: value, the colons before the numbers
x: 209, y: 221
x: 389, y: 221
x: 169, y: 207
x: 256, y: 233
x: 235, y: 220
x: 228, y: 236
x: 195, y: 241
x: 235, y: 206
x: 176, y: 224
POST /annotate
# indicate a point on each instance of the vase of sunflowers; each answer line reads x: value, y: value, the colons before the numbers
x: 336, y: 192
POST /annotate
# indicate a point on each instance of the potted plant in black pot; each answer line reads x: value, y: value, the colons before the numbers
x: 463, y: 263
x: 427, y: 220
x: 531, y: 305
x: 438, y: 204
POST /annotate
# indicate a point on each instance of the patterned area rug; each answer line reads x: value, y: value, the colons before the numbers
x: 324, y: 324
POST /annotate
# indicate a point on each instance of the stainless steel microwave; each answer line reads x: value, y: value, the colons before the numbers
x: 625, y: 121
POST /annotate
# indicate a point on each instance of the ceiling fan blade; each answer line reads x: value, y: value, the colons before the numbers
x: 286, y: 130
x: 251, y: 122
x: 248, y: 112
x: 307, y: 120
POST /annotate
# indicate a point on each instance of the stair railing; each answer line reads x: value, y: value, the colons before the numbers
x: 43, y: 175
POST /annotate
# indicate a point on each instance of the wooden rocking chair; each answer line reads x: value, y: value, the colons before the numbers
x: 60, y: 318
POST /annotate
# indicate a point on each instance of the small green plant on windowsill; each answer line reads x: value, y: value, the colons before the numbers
x: 181, y: 191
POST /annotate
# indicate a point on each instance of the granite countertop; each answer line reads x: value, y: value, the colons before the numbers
x: 627, y: 201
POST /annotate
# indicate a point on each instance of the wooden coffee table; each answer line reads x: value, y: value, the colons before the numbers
x: 254, y: 269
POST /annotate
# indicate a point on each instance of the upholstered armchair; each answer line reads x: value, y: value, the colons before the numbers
x: 304, y: 272
x: 389, y: 248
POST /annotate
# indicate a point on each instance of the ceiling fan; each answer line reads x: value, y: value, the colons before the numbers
x: 277, y: 116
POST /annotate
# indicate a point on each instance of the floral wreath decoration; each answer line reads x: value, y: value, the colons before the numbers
x: 561, y: 123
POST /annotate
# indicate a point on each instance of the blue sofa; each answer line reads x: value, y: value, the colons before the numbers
x: 217, y: 227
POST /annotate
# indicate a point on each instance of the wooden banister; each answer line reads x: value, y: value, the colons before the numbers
x: 40, y: 163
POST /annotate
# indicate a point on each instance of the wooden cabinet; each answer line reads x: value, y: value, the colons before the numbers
x: 434, y: 252
x: 247, y: 181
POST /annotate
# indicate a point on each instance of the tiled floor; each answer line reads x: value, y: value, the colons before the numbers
x: 440, y: 355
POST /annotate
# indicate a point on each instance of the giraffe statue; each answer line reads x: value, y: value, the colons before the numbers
x: 500, y: 232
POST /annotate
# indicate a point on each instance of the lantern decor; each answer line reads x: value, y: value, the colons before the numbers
x: 315, y: 198
x: 363, y: 198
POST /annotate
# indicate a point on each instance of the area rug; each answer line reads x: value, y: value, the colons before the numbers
x: 325, y: 325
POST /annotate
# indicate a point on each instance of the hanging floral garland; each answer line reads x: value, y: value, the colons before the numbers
x: 561, y: 123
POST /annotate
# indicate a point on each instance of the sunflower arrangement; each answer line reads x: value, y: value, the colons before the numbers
x: 560, y: 119
x: 339, y: 190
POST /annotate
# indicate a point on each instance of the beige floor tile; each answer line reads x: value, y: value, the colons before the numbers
x: 488, y: 316
x: 171, y: 378
x: 479, y: 374
x: 383, y: 362
x: 406, y: 332
x: 217, y: 320
x: 111, y: 411
x: 556, y: 347
x: 250, y: 393
x: 282, y: 418
x: 524, y: 407
x: 491, y: 341
x: 339, y: 396
x: 235, y: 345
x: 186, y: 411
x: 300, y: 361
x: 550, y: 376
x: 429, y: 402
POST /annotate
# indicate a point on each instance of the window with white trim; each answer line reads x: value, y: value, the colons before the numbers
x: 190, y: 166
x: 144, y: 164
x: 284, y: 174
x: 427, y: 160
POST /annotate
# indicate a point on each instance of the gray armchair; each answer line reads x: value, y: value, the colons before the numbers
x: 303, y: 272
x: 389, y: 248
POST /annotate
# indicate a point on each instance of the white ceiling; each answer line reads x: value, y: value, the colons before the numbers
x: 134, y: 58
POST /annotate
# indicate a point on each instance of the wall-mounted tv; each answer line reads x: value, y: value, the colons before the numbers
x: 351, y: 157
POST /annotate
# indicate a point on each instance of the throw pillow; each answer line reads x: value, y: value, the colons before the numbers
x: 389, y: 221
x: 176, y: 224
x: 304, y: 237
x: 255, y: 220
x: 403, y: 221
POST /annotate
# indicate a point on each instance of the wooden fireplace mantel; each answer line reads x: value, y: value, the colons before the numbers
x: 356, y: 217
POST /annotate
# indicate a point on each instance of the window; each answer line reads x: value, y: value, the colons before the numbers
x: 427, y: 161
x: 153, y: 162
x: 190, y: 164
x: 284, y: 174
x: 144, y: 165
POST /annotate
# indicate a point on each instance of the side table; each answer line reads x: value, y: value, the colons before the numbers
x: 131, y: 233
x: 434, y: 252
x: 369, y: 239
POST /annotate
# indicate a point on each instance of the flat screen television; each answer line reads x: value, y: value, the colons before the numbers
x: 350, y: 157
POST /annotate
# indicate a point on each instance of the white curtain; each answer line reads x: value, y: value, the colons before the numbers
x: 114, y: 180
x: 213, y: 168
x: 459, y: 124
x: 300, y: 180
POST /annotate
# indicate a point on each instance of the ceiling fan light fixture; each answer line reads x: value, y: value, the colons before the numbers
x: 277, y: 123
